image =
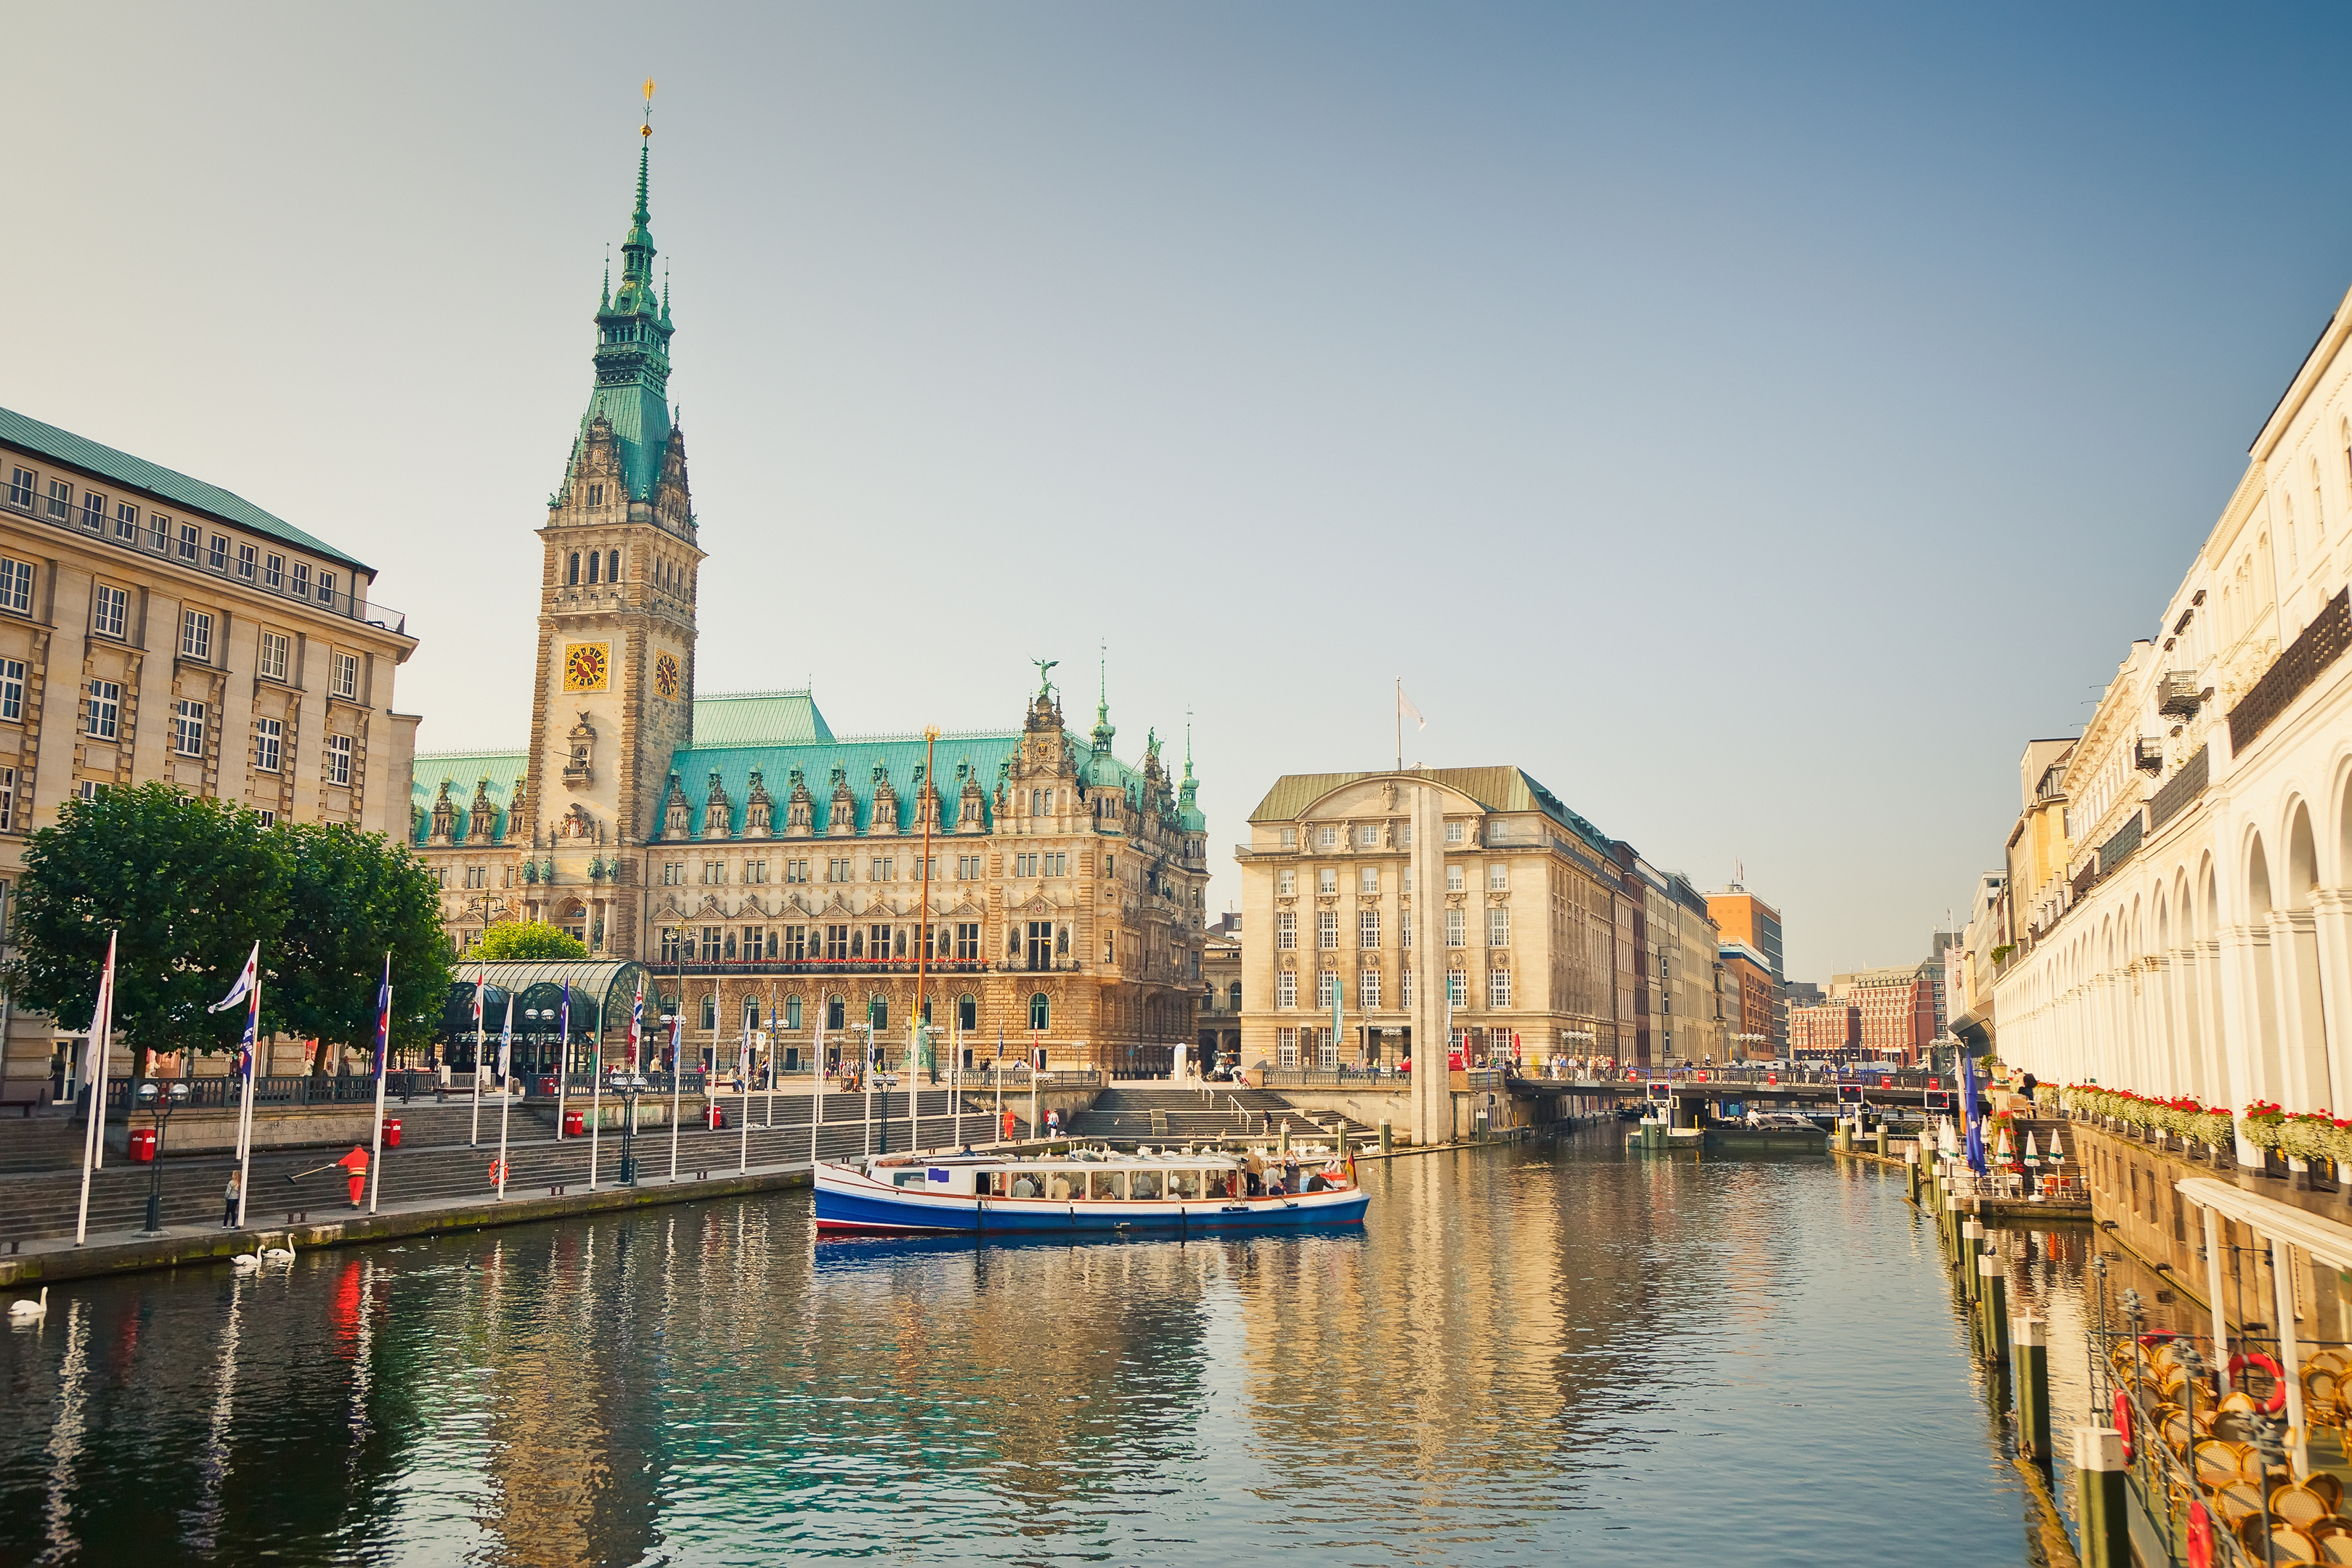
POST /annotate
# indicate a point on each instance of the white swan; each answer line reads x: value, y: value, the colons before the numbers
x: 278, y: 1254
x: 245, y: 1262
x: 25, y: 1310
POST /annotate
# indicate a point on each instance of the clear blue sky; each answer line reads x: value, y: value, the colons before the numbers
x: 1754, y: 422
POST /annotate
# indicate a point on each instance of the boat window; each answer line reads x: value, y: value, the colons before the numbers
x: 1143, y: 1184
x: 1106, y: 1184
x: 1025, y: 1185
x: 1220, y: 1184
x: 1060, y: 1186
x: 1183, y: 1184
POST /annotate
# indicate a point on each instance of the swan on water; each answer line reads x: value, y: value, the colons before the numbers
x: 245, y: 1262
x: 25, y: 1310
x: 278, y: 1254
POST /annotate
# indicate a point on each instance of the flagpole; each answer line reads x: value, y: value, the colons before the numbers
x: 1400, y: 723
x: 955, y: 1078
x: 481, y: 979
x: 596, y: 1101
x: 677, y: 1070
x: 562, y: 1059
x: 382, y: 1069
x: 93, y: 1072
x: 816, y: 1104
x: 252, y: 1071
x: 506, y: 1091
x: 743, y: 1151
x: 996, y: 1123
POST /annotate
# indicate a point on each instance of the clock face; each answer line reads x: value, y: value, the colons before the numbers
x: 587, y: 666
x: 666, y: 674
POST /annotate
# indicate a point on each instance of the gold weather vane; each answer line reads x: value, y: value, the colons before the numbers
x: 648, y: 128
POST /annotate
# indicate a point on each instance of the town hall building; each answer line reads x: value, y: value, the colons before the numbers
x: 766, y: 869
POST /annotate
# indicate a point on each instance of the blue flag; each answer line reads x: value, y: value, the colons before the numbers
x: 1969, y: 1116
x: 383, y: 1018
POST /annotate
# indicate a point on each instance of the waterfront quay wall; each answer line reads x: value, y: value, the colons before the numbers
x: 2135, y: 1200
x: 1371, y: 1103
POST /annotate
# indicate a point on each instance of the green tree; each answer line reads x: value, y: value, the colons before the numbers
x: 513, y: 941
x: 190, y: 883
x: 354, y: 897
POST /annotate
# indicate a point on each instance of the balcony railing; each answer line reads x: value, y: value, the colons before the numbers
x: 2318, y: 648
x: 143, y: 540
x: 2147, y: 755
x: 2178, y: 695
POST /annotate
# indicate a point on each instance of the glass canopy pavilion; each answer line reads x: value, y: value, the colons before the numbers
x: 603, y: 996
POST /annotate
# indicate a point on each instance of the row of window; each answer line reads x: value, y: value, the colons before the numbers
x: 881, y: 868
x: 596, y: 561
x: 1368, y: 879
x: 159, y: 534
x: 109, y: 617
x: 943, y: 942
x: 1368, y: 989
x: 1367, y: 836
x: 1367, y: 928
x: 102, y: 720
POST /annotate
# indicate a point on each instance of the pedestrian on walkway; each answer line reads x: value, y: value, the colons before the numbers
x: 356, y: 1165
x: 1053, y: 1123
x: 228, y: 1202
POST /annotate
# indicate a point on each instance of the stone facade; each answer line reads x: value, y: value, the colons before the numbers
x: 1531, y: 919
x: 772, y: 873
x: 155, y: 627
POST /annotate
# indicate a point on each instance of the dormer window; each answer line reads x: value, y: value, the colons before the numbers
x: 595, y: 495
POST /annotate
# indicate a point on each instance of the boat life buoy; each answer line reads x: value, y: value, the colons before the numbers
x: 497, y: 1172
x: 2277, y: 1401
x: 2124, y: 1421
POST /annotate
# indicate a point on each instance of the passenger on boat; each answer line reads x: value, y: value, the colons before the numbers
x: 1023, y: 1185
x: 1144, y: 1185
x: 1060, y: 1189
x: 1275, y: 1188
x: 1316, y: 1184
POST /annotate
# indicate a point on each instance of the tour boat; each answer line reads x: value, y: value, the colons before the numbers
x: 1081, y: 1190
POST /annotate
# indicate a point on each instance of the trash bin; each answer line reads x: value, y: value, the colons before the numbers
x: 547, y: 1087
x: 392, y: 1132
x: 142, y: 1143
x: 717, y: 1114
x: 575, y: 1123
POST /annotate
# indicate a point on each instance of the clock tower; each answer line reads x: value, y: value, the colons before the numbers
x: 613, y: 696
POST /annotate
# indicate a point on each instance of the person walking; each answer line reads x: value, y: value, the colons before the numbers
x: 228, y: 1202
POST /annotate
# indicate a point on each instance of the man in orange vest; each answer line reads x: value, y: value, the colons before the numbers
x: 356, y: 1164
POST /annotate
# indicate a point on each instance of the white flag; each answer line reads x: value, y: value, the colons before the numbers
x: 1406, y: 710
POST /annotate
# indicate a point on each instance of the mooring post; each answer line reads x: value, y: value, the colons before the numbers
x: 1971, y: 1235
x: 1388, y: 1136
x: 2030, y: 1360
x: 1951, y: 1231
x: 1993, y: 1271
x: 2100, y: 1498
x: 1879, y: 1140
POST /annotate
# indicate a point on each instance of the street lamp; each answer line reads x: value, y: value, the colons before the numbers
x: 629, y: 1086
x: 161, y: 1106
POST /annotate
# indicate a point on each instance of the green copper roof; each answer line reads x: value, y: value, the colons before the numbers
x: 759, y: 718
x: 899, y: 757
x: 1496, y: 788
x: 30, y: 435
x: 464, y: 771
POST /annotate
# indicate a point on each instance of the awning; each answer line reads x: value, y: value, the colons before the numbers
x: 2323, y: 1239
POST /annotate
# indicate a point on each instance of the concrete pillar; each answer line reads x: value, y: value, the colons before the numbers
x: 2030, y: 1361
x: 2331, y: 915
x: 2238, y: 1031
x: 2100, y: 1498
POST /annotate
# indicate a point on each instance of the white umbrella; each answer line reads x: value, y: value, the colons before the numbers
x: 2032, y: 1157
x: 2056, y: 1153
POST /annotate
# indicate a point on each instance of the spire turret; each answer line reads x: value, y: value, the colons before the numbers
x: 633, y: 334
x: 1104, y: 730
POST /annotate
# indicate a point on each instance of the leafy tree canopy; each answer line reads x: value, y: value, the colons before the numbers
x: 189, y: 884
x: 356, y: 897
x: 513, y: 941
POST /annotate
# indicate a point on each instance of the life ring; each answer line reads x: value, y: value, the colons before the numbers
x: 2277, y: 1401
x: 2124, y: 1421
x: 497, y: 1172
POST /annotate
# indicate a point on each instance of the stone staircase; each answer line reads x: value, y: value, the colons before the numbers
x: 39, y: 1203
x: 1128, y: 1115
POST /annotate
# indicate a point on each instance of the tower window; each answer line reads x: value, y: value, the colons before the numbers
x: 571, y: 577
x: 591, y: 566
x: 595, y: 495
x: 613, y: 568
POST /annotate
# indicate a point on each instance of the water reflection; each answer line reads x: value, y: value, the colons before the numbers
x: 1527, y: 1353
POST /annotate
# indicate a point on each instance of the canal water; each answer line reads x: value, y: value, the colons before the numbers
x: 1534, y: 1354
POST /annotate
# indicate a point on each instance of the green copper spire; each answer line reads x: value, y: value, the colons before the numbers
x: 633, y: 334
x: 1103, y: 730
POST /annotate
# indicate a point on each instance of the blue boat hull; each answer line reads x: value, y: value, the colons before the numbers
x: 879, y: 1214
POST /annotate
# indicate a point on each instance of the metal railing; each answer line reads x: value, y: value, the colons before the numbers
x: 143, y: 540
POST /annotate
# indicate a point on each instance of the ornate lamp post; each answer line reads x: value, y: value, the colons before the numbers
x: 629, y: 1086
x: 161, y: 1106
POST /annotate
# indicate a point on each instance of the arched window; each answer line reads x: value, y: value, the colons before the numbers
x: 592, y: 563
x: 877, y: 1011
x: 2293, y: 534
x: 710, y: 1009
x: 967, y: 1013
x: 836, y: 1013
x: 613, y: 572
x: 1041, y: 1012
x: 1234, y: 993
x: 574, y: 576
x: 751, y: 1013
x: 793, y: 1013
